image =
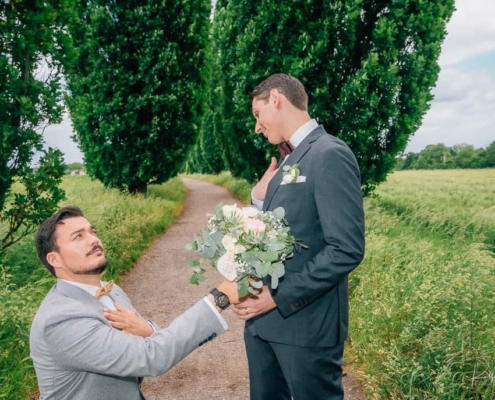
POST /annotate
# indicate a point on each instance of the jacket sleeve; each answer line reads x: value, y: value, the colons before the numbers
x: 84, y: 341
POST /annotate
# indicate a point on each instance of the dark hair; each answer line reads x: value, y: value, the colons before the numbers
x: 45, y: 237
x: 289, y: 86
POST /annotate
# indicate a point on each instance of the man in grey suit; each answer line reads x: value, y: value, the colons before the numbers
x: 295, y: 334
x: 77, y: 354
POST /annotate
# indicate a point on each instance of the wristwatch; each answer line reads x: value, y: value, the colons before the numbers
x: 221, y: 299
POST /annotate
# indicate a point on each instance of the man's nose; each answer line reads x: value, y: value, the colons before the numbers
x: 95, y: 240
x: 258, y: 128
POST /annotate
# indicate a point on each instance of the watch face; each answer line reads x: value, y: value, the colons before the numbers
x: 222, y: 300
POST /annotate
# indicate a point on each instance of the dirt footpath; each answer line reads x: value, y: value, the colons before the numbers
x: 160, y: 290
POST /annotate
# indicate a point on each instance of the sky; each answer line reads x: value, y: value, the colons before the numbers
x: 463, y: 110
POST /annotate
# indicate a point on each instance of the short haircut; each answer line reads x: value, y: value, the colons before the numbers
x: 45, y: 237
x: 289, y: 86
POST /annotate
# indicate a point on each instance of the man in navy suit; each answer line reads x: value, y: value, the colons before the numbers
x: 295, y: 334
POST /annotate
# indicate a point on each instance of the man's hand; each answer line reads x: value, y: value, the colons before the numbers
x: 230, y: 289
x: 255, y: 305
x: 128, y: 321
x: 259, y: 191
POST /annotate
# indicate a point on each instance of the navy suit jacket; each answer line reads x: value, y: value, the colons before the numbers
x: 326, y: 213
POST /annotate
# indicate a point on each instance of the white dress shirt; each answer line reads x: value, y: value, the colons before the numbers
x: 295, y: 140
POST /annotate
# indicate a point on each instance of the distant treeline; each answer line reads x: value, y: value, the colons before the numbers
x: 439, y: 156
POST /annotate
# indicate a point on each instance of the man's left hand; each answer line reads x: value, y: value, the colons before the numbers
x: 255, y: 305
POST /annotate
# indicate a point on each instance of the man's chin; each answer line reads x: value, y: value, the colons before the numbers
x: 98, y: 270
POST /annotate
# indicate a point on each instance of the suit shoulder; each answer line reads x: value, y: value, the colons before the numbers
x: 327, y: 143
x: 57, y: 307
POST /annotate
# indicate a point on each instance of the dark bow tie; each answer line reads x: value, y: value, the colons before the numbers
x: 285, y: 148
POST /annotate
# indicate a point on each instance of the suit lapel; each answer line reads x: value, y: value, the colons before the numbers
x: 78, y: 294
x: 294, y: 158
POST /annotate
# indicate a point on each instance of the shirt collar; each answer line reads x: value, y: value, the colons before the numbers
x: 88, y: 288
x: 302, y: 132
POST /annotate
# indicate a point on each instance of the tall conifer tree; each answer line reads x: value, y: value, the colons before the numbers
x: 135, y: 88
x: 368, y: 67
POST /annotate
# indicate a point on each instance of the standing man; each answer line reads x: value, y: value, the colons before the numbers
x: 77, y: 354
x: 295, y: 334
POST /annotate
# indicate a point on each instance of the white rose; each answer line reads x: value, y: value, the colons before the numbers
x: 229, y: 211
x: 229, y: 243
x: 249, y: 212
x: 227, y: 266
x: 254, y: 225
x: 239, y: 248
x: 287, y: 178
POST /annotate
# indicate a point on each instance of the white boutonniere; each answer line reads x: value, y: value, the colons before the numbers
x: 290, y: 174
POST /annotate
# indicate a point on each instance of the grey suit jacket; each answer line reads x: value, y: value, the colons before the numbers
x: 77, y: 355
x: 325, y: 213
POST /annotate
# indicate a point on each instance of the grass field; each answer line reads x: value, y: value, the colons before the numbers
x: 422, y: 307
x: 127, y: 225
x: 422, y: 304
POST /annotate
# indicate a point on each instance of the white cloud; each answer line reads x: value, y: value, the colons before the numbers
x: 463, y: 109
x: 461, y: 113
x: 470, y: 32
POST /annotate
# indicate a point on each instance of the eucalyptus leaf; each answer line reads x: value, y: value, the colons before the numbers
x: 274, y: 281
x: 198, y: 270
x: 194, y: 263
x: 278, y: 269
x: 191, y: 246
x: 268, y: 256
x: 207, y: 241
x: 210, y: 251
x: 218, y: 208
x: 253, y: 290
x: 258, y: 284
x: 265, y: 268
x: 242, y: 288
x: 217, y: 238
x: 275, y: 246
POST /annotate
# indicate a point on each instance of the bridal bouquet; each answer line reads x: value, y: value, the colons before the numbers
x: 246, y: 245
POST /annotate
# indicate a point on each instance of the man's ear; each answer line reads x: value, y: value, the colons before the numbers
x: 275, y: 96
x: 53, y: 259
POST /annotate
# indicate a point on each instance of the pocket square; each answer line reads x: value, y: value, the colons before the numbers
x: 300, y: 179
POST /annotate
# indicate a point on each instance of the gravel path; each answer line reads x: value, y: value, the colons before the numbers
x: 159, y: 288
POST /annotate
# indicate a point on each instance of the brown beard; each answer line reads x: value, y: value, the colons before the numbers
x: 94, y: 271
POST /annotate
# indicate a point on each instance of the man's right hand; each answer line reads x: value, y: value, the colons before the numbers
x: 128, y: 321
x: 230, y: 289
x: 259, y: 191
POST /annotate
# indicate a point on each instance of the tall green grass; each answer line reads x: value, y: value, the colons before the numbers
x: 126, y: 224
x: 422, y: 308
x: 452, y: 203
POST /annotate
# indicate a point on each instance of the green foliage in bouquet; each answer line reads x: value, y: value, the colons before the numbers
x: 246, y: 245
